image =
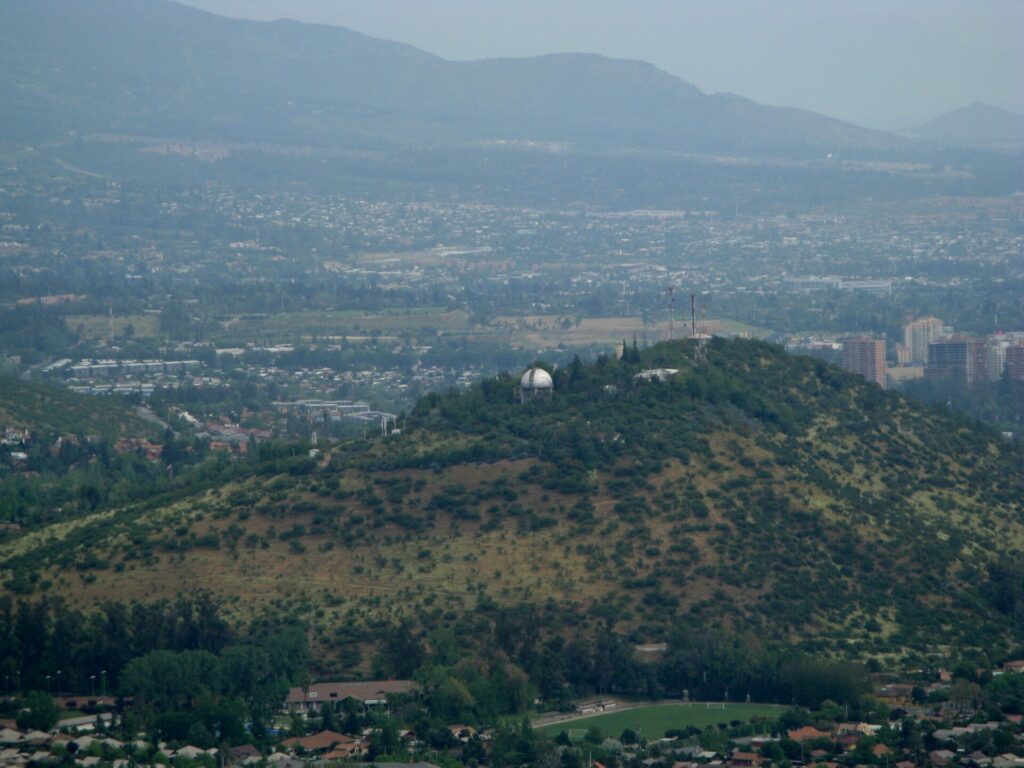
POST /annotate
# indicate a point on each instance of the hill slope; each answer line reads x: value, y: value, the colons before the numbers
x: 977, y: 124
x: 156, y: 68
x: 756, y: 491
x: 45, y: 410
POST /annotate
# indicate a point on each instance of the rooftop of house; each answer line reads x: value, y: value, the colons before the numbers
x: 371, y: 690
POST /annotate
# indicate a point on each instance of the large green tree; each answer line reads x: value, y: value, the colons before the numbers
x: 40, y: 713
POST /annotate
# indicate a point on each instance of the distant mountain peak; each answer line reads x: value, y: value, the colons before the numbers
x: 977, y: 124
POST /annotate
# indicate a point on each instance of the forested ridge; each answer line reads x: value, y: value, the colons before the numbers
x: 751, y: 495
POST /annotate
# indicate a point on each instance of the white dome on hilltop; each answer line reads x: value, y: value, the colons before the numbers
x: 536, y: 378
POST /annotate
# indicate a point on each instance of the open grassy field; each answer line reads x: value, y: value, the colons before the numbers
x: 548, y: 330
x: 343, y: 323
x: 98, y: 326
x: 652, y: 722
x: 540, y: 331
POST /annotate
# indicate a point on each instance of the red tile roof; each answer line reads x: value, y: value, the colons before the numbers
x: 318, y: 741
x: 808, y: 733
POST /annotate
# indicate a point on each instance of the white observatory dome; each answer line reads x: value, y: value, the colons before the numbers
x: 536, y: 378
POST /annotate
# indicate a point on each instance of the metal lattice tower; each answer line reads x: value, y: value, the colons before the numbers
x: 671, y: 312
x: 700, y: 354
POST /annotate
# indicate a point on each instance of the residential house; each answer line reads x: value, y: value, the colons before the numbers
x: 899, y: 693
x: 11, y: 736
x: 745, y: 760
x: 865, y: 729
x: 369, y: 693
x: 191, y: 753
x: 848, y: 741
x: 976, y: 760
x: 807, y: 733
x: 325, y: 741
x: 346, y: 750
x: 462, y: 732
x: 244, y: 755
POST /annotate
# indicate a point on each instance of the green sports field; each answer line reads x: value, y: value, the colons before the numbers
x: 652, y: 722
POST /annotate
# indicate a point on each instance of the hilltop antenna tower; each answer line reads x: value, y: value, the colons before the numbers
x: 671, y: 311
x: 700, y: 355
x: 110, y: 324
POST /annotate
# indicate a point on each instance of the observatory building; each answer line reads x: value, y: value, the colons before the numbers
x: 536, y: 384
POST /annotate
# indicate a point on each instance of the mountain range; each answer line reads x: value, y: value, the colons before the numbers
x: 160, y: 69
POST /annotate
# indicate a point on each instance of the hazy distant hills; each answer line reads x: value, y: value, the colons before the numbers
x: 755, y: 490
x: 977, y: 124
x: 156, y: 68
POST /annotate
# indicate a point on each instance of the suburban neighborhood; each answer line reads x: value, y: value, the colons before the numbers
x: 936, y: 720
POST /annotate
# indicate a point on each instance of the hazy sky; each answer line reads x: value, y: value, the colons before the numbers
x: 883, y: 63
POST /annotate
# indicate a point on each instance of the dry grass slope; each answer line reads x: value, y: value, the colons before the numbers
x: 859, y: 525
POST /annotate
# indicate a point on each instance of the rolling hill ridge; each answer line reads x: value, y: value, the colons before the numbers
x: 977, y: 124
x: 756, y: 492
x: 160, y: 69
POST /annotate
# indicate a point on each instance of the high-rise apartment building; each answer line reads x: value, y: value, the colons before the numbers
x: 959, y: 357
x: 919, y: 334
x: 1015, y: 362
x: 865, y: 357
x: 995, y: 356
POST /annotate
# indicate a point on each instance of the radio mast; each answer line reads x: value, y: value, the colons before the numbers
x: 671, y: 311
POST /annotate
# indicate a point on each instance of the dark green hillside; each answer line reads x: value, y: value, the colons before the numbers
x: 856, y: 500
x: 755, y: 492
x: 50, y: 410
